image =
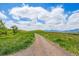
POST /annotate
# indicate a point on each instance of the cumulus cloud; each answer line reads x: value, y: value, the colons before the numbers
x: 28, y: 12
x: 73, y: 20
x: 56, y: 19
x: 3, y: 16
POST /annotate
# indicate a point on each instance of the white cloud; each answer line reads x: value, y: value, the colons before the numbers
x: 3, y: 16
x: 9, y: 24
x: 14, y: 17
x: 74, y: 18
x: 28, y: 12
x: 57, y: 16
x: 55, y: 19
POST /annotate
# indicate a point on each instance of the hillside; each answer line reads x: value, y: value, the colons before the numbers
x: 10, y: 42
x: 68, y: 41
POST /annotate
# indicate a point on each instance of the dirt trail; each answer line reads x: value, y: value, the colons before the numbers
x: 41, y: 47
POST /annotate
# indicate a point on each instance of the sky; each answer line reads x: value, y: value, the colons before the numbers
x: 40, y: 16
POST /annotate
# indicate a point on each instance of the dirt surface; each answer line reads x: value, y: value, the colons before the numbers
x: 41, y: 47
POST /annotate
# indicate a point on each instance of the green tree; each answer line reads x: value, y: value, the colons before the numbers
x: 3, y: 29
x: 1, y: 24
x: 15, y: 29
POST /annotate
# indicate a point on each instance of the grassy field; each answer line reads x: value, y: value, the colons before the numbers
x: 69, y: 41
x: 11, y: 43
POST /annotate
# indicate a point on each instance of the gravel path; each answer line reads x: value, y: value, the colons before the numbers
x: 41, y: 47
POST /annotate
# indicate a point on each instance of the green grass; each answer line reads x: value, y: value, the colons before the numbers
x: 11, y: 43
x: 69, y: 41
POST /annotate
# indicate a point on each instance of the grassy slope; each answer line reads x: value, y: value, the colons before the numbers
x: 68, y: 41
x: 11, y: 43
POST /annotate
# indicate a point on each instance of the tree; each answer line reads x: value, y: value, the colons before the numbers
x: 1, y: 24
x: 14, y: 28
x: 3, y: 28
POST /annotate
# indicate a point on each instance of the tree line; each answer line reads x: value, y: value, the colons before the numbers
x: 3, y: 28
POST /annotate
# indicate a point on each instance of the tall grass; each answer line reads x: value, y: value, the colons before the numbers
x: 69, y: 41
x: 11, y: 43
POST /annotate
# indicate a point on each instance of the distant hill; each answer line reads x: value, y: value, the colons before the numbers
x: 52, y: 30
x: 71, y: 30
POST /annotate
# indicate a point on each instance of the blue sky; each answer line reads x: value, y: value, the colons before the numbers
x: 40, y: 15
x: 67, y: 6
